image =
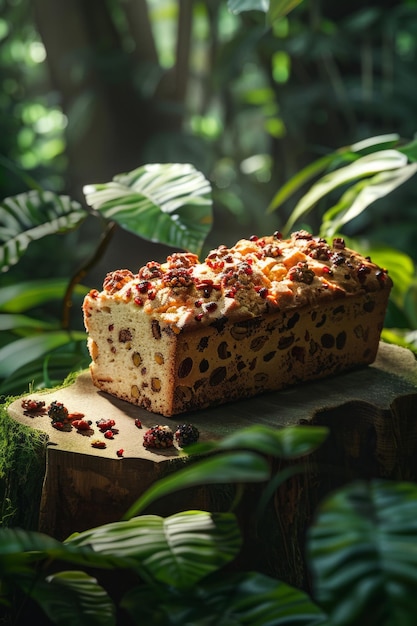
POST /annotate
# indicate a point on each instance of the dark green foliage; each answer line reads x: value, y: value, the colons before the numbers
x: 360, y: 552
x: 22, y: 468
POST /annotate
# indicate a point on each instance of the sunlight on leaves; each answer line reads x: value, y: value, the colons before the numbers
x: 164, y: 203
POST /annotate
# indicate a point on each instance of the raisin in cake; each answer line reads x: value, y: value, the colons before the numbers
x: 259, y: 316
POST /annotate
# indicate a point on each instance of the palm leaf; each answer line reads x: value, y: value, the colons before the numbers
x: 31, y: 216
x: 25, y: 295
x: 178, y: 550
x: 47, y: 371
x: 332, y: 160
x: 298, y: 180
x: 22, y: 351
x: 164, y: 203
x: 16, y: 322
x: 364, y: 167
x: 361, y: 195
x: 363, y: 554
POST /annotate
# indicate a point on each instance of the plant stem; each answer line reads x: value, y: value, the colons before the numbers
x: 84, y: 269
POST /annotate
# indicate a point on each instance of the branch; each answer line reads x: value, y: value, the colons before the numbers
x: 77, y: 278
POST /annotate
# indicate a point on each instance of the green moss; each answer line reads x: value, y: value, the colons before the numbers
x: 22, y: 468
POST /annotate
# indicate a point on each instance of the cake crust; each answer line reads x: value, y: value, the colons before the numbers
x: 262, y: 315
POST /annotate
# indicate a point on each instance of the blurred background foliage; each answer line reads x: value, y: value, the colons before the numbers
x: 92, y: 89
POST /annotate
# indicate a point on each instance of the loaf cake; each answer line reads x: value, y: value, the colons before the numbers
x: 259, y: 316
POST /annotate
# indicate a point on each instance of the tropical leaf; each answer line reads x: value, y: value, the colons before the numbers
x: 410, y: 150
x: 238, y: 6
x: 21, y: 297
x: 22, y: 351
x: 333, y: 160
x: 249, y: 599
x: 230, y: 467
x: 47, y: 371
x: 298, y: 180
x: 73, y: 598
x: 81, y: 600
x: 31, y: 216
x: 400, y: 266
x: 165, y: 203
x: 15, y: 321
x: 179, y: 550
x: 362, y: 551
x: 363, y: 167
x: 368, y: 145
x: 15, y: 541
x: 287, y: 443
x: 364, y: 193
x: 401, y: 337
x: 256, y: 600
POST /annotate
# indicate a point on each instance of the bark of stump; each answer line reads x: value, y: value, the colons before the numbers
x: 371, y: 414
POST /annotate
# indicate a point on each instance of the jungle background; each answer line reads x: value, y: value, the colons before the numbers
x: 92, y: 89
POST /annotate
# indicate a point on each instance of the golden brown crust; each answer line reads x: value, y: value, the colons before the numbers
x: 261, y: 315
x: 254, y: 277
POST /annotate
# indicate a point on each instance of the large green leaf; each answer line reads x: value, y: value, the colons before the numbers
x: 298, y: 180
x: 363, y: 554
x: 167, y: 203
x: 368, y: 145
x: 333, y: 160
x: 357, y: 199
x: 410, y: 150
x: 401, y: 337
x: 250, y: 599
x: 366, y: 166
x: 47, y: 371
x: 400, y: 266
x: 230, y: 467
x: 21, y: 297
x: 285, y: 443
x: 257, y: 600
x: 178, y: 550
x: 33, y: 215
x: 15, y: 541
x: 73, y: 598
x: 22, y: 351
x: 13, y: 321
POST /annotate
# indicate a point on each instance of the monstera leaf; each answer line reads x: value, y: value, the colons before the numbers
x: 167, y: 203
x: 31, y: 216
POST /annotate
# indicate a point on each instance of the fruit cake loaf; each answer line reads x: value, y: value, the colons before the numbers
x: 259, y: 316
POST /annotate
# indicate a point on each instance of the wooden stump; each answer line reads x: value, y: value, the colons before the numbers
x: 371, y: 415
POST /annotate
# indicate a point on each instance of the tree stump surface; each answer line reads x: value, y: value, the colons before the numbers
x: 370, y: 412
